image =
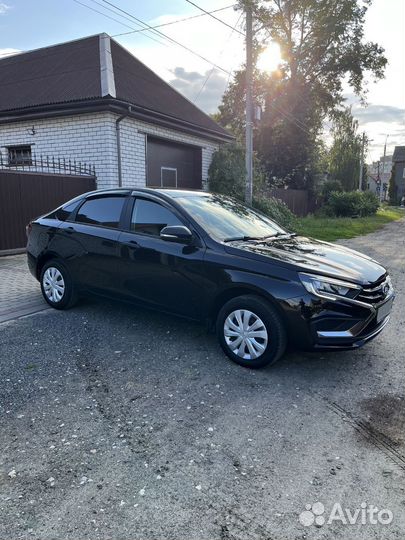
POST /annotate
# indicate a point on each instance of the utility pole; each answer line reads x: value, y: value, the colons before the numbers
x: 382, y: 181
x: 249, y: 105
x: 363, y: 142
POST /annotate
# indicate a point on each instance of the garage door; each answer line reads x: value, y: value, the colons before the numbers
x: 173, y: 165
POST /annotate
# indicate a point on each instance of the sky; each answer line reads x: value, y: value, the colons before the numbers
x: 30, y: 24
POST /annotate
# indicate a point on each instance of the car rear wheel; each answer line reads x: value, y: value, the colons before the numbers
x: 251, y: 332
x: 57, y: 285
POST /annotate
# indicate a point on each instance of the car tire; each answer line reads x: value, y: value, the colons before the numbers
x: 260, y: 346
x: 57, y: 285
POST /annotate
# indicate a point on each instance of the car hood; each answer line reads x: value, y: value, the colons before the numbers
x: 315, y: 256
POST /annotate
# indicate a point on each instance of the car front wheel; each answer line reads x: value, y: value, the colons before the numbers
x: 57, y: 286
x: 251, y: 332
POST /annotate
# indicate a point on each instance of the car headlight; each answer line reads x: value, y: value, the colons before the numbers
x: 328, y: 287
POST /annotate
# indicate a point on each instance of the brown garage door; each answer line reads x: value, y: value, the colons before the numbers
x: 173, y: 165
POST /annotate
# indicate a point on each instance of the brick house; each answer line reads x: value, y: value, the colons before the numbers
x: 90, y: 100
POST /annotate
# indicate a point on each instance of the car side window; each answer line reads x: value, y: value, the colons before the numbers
x: 62, y: 214
x: 149, y: 217
x: 102, y: 211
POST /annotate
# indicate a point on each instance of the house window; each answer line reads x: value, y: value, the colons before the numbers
x: 19, y: 155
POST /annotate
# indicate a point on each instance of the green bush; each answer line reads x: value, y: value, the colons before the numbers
x: 369, y: 204
x: 227, y: 172
x: 227, y: 175
x: 329, y: 187
x: 352, y: 203
x: 276, y: 210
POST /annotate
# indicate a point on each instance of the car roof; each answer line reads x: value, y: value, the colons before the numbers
x: 168, y: 192
x: 175, y: 193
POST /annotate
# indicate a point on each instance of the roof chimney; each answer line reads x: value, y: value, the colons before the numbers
x: 106, y: 67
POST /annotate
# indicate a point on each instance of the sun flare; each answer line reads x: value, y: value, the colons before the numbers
x: 270, y: 59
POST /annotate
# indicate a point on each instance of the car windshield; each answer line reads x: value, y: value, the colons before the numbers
x: 226, y: 219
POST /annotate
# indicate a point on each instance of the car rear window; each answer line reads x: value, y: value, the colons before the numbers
x: 102, y: 211
x: 63, y: 213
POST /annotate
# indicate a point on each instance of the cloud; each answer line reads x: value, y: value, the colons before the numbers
x: 204, y: 89
x: 8, y: 51
x: 184, y: 75
x: 4, y: 8
x: 379, y: 113
x: 187, y: 71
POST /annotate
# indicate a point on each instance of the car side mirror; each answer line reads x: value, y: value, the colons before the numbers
x: 176, y: 233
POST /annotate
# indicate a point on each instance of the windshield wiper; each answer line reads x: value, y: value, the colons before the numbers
x: 289, y: 234
x: 258, y: 238
x: 246, y: 238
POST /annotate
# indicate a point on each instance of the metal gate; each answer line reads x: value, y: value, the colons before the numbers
x: 25, y: 195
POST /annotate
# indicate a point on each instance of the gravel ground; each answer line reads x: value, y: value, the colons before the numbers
x: 123, y: 424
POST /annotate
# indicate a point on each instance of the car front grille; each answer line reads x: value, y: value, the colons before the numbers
x: 376, y: 292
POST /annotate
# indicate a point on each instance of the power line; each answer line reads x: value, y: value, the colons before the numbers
x: 176, y: 21
x: 213, y: 17
x: 140, y: 29
x: 219, y: 56
x: 147, y: 28
x: 291, y: 119
x: 113, y: 19
x: 159, y: 33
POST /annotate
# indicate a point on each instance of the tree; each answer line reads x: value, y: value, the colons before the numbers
x: 345, y: 152
x: 392, y: 188
x: 322, y: 44
x: 227, y: 172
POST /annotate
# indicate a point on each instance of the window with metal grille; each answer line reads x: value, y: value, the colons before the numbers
x: 19, y: 155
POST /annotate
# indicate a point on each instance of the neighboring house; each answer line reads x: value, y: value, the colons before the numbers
x: 90, y: 100
x: 398, y: 170
x: 373, y: 184
x: 379, y: 172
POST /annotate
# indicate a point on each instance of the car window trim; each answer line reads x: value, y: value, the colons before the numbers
x: 156, y: 200
x: 126, y: 197
x: 182, y: 216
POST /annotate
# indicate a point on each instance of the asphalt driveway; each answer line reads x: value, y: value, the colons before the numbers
x: 123, y: 424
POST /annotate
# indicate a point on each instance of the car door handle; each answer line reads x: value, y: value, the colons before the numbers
x: 70, y: 230
x: 132, y: 243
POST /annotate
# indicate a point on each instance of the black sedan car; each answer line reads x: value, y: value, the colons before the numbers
x: 207, y: 257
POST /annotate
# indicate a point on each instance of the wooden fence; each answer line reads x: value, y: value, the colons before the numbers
x: 298, y: 201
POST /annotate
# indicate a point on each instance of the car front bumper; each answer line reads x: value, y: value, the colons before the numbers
x: 346, y: 340
x: 324, y: 324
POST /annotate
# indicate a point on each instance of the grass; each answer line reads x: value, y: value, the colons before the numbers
x: 331, y: 229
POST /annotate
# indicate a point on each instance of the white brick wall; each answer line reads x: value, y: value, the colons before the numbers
x: 91, y: 138
x: 88, y: 138
x: 133, y: 149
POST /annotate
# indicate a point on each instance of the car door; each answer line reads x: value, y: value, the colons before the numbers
x: 165, y: 274
x: 95, y: 227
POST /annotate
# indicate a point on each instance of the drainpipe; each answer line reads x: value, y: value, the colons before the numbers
x: 118, y: 137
